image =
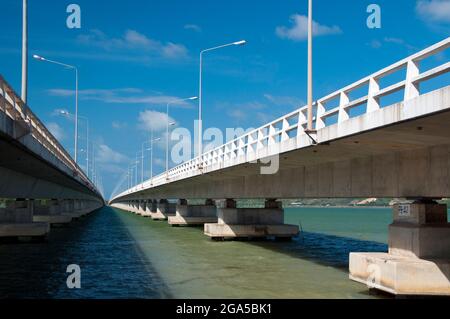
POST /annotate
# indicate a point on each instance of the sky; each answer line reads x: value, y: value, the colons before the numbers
x: 135, y: 56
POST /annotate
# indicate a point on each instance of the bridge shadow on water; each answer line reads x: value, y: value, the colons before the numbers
x: 112, y: 265
x: 323, y: 249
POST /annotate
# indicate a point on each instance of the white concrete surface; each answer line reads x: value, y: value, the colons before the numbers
x: 379, y: 153
x: 418, y: 261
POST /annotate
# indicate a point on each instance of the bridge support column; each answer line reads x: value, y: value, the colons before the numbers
x: 418, y: 261
x: 50, y: 212
x: 142, y: 207
x: 135, y: 206
x: 122, y: 205
x: 129, y: 206
x: 146, y: 208
x: 151, y: 208
x: 235, y: 223
x: 194, y: 215
x: 16, y: 221
x: 164, y: 210
x: 68, y: 208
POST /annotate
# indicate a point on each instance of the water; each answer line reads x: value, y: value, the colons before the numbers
x: 122, y: 255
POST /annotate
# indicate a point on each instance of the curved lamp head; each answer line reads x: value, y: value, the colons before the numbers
x: 37, y: 57
x: 242, y: 42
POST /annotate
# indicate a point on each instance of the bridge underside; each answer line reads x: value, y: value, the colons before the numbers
x: 25, y: 175
x: 409, y: 159
x: 37, y: 189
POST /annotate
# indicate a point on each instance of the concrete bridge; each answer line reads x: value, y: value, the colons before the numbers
x: 40, y: 183
x: 373, y: 138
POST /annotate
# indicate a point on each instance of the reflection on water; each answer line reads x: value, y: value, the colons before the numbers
x: 111, y: 264
x: 126, y: 256
x: 192, y: 266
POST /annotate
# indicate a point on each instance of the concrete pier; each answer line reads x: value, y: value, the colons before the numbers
x: 164, y: 210
x: 150, y: 208
x: 16, y: 221
x: 234, y: 223
x: 418, y: 261
x: 194, y: 215
x: 136, y: 207
x: 68, y: 209
x: 50, y: 212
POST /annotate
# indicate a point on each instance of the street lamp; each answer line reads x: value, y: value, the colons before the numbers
x: 39, y: 58
x: 200, y: 102
x: 310, y: 67
x: 133, y: 176
x: 65, y: 113
x: 24, y: 50
x: 152, y: 140
x: 172, y: 124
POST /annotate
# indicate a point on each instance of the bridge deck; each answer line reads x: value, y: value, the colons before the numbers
x: 400, y: 150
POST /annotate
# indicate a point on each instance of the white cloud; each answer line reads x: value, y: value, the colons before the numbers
x: 106, y: 155
x: 56, y: 130
x: 298, y: 31
x: 120, y: 96
x: 400, y: 42
x: 153, y: 120
x: 434, y: 11
x: 238, y: 115
x: 377, y: 44
x: 159, y: 162
x: 133, y: 41
x: 289, y: 101
x: 112, y: 168
x: 60, y: 112
x: 118, y: 125
x: 173, y: 50
x: 193, y: 27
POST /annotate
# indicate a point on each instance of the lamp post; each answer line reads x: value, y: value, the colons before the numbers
x: 87, y: 136
x: 172, y: 124
x: 143, y: 156
x: 39, y: 58
x: 25, y: 51
x: 152, y: 140
x: 310, y: 66
x: 136, y: 172
x: 200, y: 102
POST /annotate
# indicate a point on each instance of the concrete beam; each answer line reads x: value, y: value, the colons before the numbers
x: 164, y: 210
x: 16, y: 221
x: 50, y: 212
x: 235, y: 223
x: 418, y: 262
x: 194, y: 215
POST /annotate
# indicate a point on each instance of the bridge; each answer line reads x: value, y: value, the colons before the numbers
x: 42, y: 184
x: 385, y: 135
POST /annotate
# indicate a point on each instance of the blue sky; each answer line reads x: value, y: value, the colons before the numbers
x: 134, y: 56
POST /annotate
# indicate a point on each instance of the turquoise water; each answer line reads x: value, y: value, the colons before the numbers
x: 122, y: 255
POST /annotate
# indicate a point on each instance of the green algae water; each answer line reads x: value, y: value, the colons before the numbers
x: 312, y: 266
x: 122, y: 255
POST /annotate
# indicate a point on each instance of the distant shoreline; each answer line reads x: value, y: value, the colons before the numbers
x: 334, y: 206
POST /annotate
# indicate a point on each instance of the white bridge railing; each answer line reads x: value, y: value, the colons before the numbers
x: 23, y: 122
x: 293, y: 125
